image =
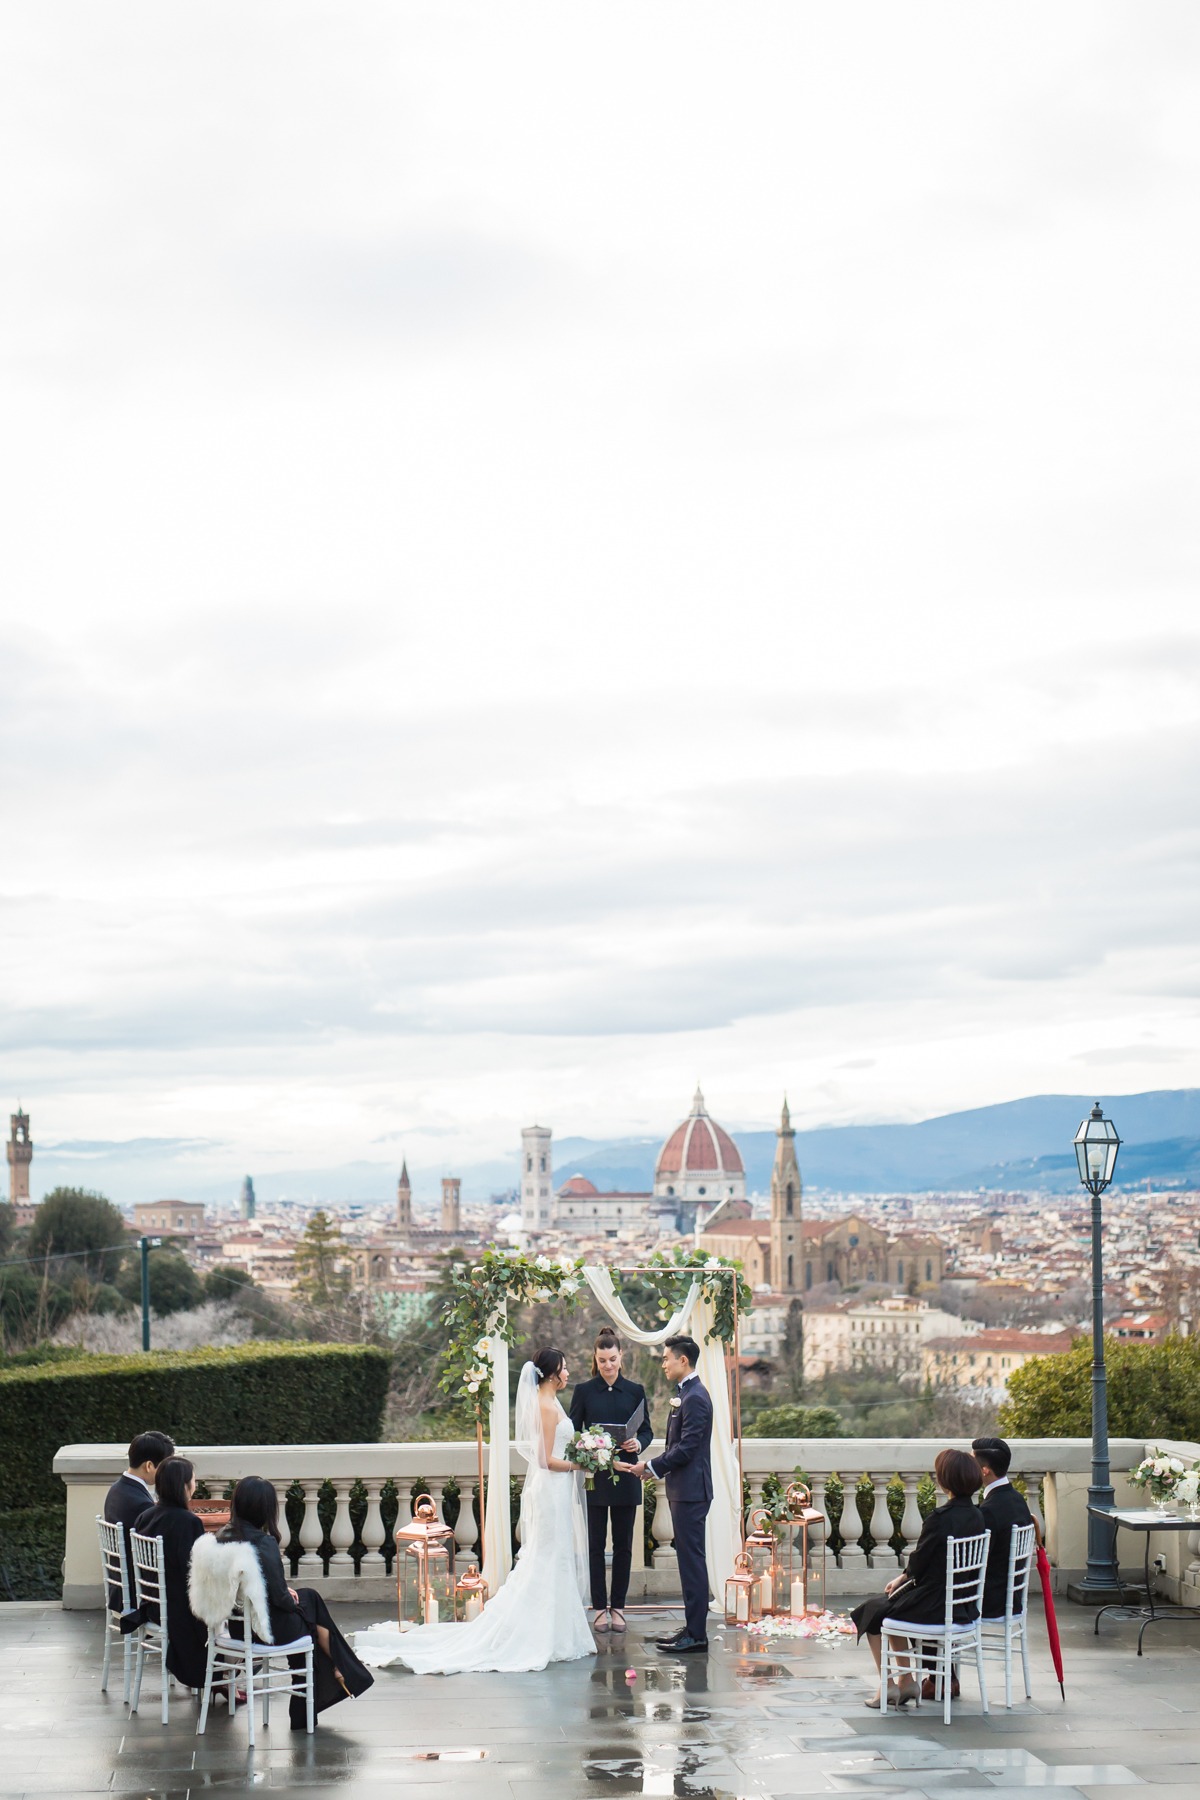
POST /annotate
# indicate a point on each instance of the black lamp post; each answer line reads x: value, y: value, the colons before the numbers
x: 1096, y: 1146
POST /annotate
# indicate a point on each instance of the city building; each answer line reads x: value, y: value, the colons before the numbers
x: 983, y: 1363
x: 889, y: 1334
x: 179, y: 1218
x: 698, y: 1168
x: 787, y: 1255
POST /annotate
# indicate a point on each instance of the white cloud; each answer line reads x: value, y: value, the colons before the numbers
x: 550, y: 553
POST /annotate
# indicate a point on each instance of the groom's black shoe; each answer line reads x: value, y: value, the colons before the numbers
x: 685, y: 1645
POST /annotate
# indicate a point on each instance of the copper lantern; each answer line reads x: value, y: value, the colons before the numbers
x: 425, y: 1568
x: 742, y: 1591
x: 802, y: 1584
x: 762, y: 1547
x: 470, y: 1595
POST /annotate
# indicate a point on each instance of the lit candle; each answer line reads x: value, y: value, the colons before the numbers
x: 764, y: 1594
x: 797, y: 1597
x: 431, y: 1610
x: 474, y: 1606
x: 743, y: 1606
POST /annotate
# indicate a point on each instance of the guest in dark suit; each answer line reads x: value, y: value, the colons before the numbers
x: 685, y: 1468
x: 171, y: 1520
x: 609, y: 1399
x: 1000, y: 1508
x: 919, y: 1595
x: 295, y: 1612
x: 132, y: 1492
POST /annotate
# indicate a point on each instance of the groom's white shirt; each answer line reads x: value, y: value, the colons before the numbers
x: 692, y: 1377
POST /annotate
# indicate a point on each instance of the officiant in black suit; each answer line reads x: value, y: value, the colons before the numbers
x: 132, y: 1492
x: 610, y: 1399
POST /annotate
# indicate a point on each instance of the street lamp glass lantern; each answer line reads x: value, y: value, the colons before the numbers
x: 1096, y: 1146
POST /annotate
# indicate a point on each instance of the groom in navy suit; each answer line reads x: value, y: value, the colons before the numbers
x: 685, y: 1468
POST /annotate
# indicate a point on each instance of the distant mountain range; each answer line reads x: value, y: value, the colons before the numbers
x: 1018, y: 1144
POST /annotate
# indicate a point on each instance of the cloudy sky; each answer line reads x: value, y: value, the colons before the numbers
x: 551, y: 551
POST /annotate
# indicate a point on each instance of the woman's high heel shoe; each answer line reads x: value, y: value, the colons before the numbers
x: 897, y: 1697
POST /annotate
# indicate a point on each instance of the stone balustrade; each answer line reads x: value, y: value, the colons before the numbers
x: 346, y: 1556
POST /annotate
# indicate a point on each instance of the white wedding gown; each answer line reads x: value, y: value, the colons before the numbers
x: 538, y: 1615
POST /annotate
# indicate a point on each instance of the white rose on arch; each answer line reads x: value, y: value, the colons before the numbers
x: 543, y: 1263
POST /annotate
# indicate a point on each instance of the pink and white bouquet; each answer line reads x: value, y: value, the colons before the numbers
x: 594, y: 1452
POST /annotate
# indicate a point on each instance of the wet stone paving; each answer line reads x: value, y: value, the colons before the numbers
x: 782, y: 1720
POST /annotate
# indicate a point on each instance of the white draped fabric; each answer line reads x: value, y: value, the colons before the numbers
x: 497, y: 1514
x: 695, y: 1315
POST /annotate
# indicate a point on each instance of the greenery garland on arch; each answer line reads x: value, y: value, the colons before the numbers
x: 483, y: 1292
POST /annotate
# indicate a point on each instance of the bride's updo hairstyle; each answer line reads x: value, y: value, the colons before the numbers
x: 606, y: 1339
x: 548, y: 1363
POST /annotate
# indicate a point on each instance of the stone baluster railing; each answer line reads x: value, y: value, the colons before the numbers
x: 341, y: 1532
x: 373, y: 1561
x: 357, y: 1570
x: 312, y: 1534
x: 881, y: 1527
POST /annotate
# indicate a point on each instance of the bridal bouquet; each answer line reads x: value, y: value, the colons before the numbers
x: 594, y: 1452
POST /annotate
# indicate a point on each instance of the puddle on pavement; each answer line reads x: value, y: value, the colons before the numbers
x: 674, y: 1772
x: 760, y: 1675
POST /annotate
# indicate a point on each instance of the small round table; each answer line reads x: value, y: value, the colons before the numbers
x: 1145, y: 1520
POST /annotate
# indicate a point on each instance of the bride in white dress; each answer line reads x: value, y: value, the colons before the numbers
x: 538, y: 1616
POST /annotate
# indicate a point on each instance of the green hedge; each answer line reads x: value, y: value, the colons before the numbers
x: 32, y: 1543
x: 254, y: 1394
x: 1153, y: 1391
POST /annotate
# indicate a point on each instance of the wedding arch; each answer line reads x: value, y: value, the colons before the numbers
x: 696, y: 1294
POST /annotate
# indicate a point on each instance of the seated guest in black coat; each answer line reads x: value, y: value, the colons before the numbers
x: 132, y: 1492
x: 918, y: 1596
x: 295, y: 1612
x: 1000, y: 1508
x: 609, y: 1399
x: 170, y: 1519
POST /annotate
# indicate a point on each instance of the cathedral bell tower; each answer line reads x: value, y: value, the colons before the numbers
x: 786, y: 1240
x: 451, y: 1203
x: 404, y: 1201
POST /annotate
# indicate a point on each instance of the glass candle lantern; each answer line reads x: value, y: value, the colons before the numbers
x: 470, y: 1595
x: 803, y: 1573
x: 425, y: 1568
x: 742, y: 1593
x: 762, y: 1547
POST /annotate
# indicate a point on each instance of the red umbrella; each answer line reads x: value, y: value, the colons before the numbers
x: 1043, y: 1569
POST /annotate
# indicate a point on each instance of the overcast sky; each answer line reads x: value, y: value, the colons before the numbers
x: 553, y: 551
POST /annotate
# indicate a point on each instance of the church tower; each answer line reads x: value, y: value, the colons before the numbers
x: 247, y: 1204
x: 20, y: 1155
x: 786, y: 1242
x: 404, y: 1201
x: 451, y: 1204
x: 537, y: 1179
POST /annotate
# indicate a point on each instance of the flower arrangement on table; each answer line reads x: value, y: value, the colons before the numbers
x: 1164, y: 1477
x: 594, y: 1452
